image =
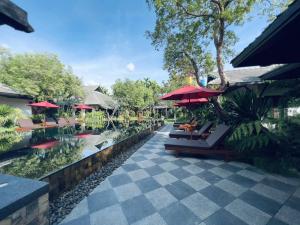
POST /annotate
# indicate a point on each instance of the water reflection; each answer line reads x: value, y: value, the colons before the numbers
x: 46, y: 150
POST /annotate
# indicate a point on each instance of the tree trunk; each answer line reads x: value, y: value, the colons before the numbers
x: 220, y: 66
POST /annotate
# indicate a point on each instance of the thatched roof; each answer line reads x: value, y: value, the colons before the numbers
x: 95, y: 98
x: 9, y: 92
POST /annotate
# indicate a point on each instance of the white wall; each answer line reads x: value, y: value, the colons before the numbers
x: 17, y: 103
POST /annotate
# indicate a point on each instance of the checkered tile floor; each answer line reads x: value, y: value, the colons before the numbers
x: 153, y: 187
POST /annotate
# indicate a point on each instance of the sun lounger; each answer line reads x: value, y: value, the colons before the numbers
x: 210, y: 146
x: 194, y: 135
x: 28, y: 124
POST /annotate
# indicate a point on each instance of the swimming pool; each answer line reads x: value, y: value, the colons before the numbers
x: 42, y: 151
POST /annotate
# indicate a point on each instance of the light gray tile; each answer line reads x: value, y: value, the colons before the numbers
x: 169, y: 158
x: 168, y: 166
x: 146, y: 163
x: 112, y: 215
x: 120, y: 170
x: 165, y: 178
x: 191, y: 159
x: 103, y: 186
x: 247, y: 213
x: 200, y: 205
x: 221, y: 172
x: 160, y: 198
x: 239, y: 164
x: 215, y: 162
x: 138, y: 174
x: 232, y: 188
x: 288, y: 215
x: 152, y: 156
x: 251, y: 175
x: 193, y: 169
x: 196, y: 183
x: 154, y: 219
x: 80, y: 210
x: 270, y: 192
x: 127, y: 191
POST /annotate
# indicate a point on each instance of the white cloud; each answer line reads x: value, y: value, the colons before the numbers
x: 3, y: 45
x: 130, y: 67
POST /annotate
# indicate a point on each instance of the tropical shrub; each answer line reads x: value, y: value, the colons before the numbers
x: 95, y: 119
x: 8, y: 134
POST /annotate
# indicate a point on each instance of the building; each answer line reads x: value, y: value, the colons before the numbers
x: 15, y: 99
x: 99, y: 100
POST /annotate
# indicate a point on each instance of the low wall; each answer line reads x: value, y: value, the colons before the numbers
x: 23, y: 201
x: 66, y: 178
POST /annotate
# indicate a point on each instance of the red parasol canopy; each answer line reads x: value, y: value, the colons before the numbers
x: 189, y: 102
x: 83, y: 106
x: 184, y: 89
x: 84, y: 135
x: 44, y: 104
x: 191, y: 92
x: 46, y: 145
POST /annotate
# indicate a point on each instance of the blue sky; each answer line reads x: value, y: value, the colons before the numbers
x: 102, y: 40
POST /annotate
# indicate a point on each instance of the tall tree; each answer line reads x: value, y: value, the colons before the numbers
x: 42, y: 76
x: 211, y: 22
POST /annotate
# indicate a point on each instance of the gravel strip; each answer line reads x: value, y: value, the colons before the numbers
x: 63, y: 205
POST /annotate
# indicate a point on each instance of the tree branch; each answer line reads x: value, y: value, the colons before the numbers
x: 193, y: 14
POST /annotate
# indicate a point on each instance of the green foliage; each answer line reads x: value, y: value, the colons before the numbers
x: 95, y: 119
x: 42, y: 76
x: 136, y: 95
x: 8, y: 134
x: 37, y: 118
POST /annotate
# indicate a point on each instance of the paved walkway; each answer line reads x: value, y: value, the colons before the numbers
x: 155, y: 188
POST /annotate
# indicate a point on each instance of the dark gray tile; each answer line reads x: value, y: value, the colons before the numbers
x: 147, y: 184
x: 205, y: 165
x: 217, y: 195
x: 158, y: 160
x: 178, y: 214
x: 274, y: 221
x: 84, y: 220
x: 222, y: 217
x: 243, y: 181
x: 279, y: 185
x: 180, y: 190
x: 138, y: 158
x: 294, y: 203
x: 100, y: 200
x: 209, y: 177
x: 180, y: 173
x: 230, y: 168
x: 118, y: 180
x: 137, y: 208
x: 154, y: 170
x: 180, y: 162
x: 266, y: 205
x: 131, y: 167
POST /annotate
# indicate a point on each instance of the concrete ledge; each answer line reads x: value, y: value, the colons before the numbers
x: 16, y: 192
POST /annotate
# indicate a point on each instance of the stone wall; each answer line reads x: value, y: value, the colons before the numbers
x: 66, y: 178
x: 34, y: 213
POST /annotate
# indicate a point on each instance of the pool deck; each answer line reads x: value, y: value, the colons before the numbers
x: 153, y: 187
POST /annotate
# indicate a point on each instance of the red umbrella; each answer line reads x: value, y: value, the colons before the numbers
x: 184, y: 89
x: 84, y: 135
x: 46, y: 145
x: 189, y: 102
x: 191, y: 92
x: 83, y: 106
x: 44, y: 104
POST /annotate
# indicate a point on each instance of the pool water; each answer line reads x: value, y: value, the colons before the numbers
x: 42, y: 151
